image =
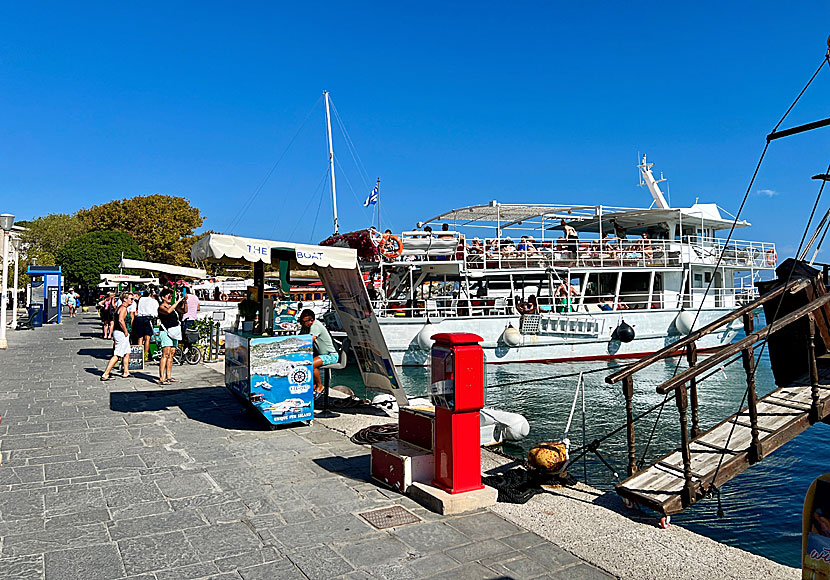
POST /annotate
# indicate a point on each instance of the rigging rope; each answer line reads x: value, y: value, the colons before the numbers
x: 245, y: 206
x: 825, y: 59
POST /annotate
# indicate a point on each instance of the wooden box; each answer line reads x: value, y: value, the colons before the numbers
x: 398, y: 464
x: 415, y: 426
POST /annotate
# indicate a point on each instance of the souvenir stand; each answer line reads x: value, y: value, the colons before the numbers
x: 270, y: 369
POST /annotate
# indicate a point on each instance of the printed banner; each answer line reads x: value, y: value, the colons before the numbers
x: 816, y: 531
x: 348, y: 294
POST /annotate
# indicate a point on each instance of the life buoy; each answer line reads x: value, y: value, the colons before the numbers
x: 772, y: 257
x: 391, y: 246
x: 223, y: 297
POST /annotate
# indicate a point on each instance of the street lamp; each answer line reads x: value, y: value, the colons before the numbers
x: 6, y: 222
x: 16, y: 246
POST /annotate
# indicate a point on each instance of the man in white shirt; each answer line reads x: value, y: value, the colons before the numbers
x: 146, y: 312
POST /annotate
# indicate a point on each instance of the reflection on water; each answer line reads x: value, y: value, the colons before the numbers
x: 763, y: 505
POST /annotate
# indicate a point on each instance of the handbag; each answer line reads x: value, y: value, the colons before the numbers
x: 175, y: 332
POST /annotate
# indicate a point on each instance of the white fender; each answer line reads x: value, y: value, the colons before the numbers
x: 684, y: 321
x: 508, y: 426
x: 511, y: 336
x: 424, y: 337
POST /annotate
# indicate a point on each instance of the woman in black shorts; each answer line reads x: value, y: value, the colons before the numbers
x: 106, y: 308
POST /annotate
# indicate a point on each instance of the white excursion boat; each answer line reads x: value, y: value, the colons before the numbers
x: 533, y: 296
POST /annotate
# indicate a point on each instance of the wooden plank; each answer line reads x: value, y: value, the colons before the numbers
x: 737, y: 421
x: 712, y: 447
x: 780, y: 403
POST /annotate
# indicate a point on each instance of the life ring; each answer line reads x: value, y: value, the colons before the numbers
x: 772, y: 257
x: 391, y: 247
x: 223, y: 297
x: 526, y: 308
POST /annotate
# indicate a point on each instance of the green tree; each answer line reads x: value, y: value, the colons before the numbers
x: 163, y: 225
x: 86, y: 257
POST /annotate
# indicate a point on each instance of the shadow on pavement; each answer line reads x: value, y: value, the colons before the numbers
x: 210, y: 405
x: 103, y: 353
x: 356, y: 468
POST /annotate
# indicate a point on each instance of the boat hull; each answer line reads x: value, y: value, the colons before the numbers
x: 565, y: 337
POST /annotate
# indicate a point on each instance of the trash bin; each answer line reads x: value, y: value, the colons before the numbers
x: 36, y: 315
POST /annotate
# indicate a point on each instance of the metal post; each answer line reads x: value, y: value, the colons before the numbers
x: 15, y: 244
x: 682, y: 400
x: 811, y: 353
x: 331, y: 166
x: 748, y: 355
x: 628, y: 392
x: 691, y: 356
x: 3, y: 290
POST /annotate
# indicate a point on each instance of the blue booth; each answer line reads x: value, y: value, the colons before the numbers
x: 46, y: 291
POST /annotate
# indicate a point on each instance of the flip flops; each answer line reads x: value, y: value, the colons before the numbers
x: 107, y: 378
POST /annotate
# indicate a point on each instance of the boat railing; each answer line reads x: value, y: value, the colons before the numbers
x: 453, y: 306
x: 707, y: 250
x: 504, y: 253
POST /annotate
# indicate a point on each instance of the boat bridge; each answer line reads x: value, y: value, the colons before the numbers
x: 798, y: 338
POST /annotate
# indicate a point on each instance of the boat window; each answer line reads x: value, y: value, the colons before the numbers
x: 634, y: 289
x: 697, y: 281
x: 317, y: 296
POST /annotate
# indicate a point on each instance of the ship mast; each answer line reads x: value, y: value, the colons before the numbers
x: 331, y: 165
x: 653, y: 187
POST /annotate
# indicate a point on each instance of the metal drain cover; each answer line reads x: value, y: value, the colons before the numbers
x: 390, y: 517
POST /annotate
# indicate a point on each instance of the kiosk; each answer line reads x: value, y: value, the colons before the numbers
x: 270, y: 368
x: 46, y: 291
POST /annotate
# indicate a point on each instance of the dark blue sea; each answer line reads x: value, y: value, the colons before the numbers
x: 762, y: 506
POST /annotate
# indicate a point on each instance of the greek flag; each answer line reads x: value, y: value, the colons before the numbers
x: 372, y: 199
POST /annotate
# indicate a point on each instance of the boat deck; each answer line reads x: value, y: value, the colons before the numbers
x: 715, y: 455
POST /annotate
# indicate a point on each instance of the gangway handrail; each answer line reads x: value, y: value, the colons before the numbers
x: 730, y: 350
x: 665, y: 352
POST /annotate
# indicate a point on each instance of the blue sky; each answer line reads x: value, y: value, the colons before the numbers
x: 448, y: 103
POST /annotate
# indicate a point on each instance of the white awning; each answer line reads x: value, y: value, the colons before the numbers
x: 163, y: 268
x: 222, y: 246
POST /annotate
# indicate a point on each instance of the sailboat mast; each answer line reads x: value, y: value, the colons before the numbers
x: 331, y: 166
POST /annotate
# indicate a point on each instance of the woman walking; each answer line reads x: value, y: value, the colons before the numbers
x: 121, y: 340
x: 170, y: 333
x: 107, y: 311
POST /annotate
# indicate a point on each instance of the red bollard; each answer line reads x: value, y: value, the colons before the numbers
x: 457, y: 391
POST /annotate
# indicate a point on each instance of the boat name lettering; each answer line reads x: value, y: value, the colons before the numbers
x: 824, y: 555
x: 309, y: 255
x: 258, y: 249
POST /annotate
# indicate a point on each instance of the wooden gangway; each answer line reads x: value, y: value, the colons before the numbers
x: 705, y: 461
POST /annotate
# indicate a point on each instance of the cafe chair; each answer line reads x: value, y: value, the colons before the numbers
x: 342, y: 360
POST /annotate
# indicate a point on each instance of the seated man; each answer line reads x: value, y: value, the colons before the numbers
x: 322, y: 344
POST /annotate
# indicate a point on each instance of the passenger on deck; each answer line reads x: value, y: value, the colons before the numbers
x: 445, y: 233
x: 646, y: 245
x: 571, y: 237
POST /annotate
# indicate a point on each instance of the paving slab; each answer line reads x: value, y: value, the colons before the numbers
x: 129, y: 480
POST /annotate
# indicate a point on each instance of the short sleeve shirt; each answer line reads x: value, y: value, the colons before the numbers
x: 192, y: 306
x: 148, y: 306
x: 322, y: 338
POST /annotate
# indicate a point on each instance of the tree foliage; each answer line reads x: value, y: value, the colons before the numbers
x: 43, y: 237
x: 163, y: 225
x: 85, y: 258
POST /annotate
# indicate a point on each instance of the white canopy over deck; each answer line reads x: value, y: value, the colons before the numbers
x: 703, y: 215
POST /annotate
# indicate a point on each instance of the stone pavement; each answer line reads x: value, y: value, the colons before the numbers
x: 126, y: 479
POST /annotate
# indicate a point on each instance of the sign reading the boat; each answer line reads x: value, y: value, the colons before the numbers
x: 313, y: 256
x: 259, y: 250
